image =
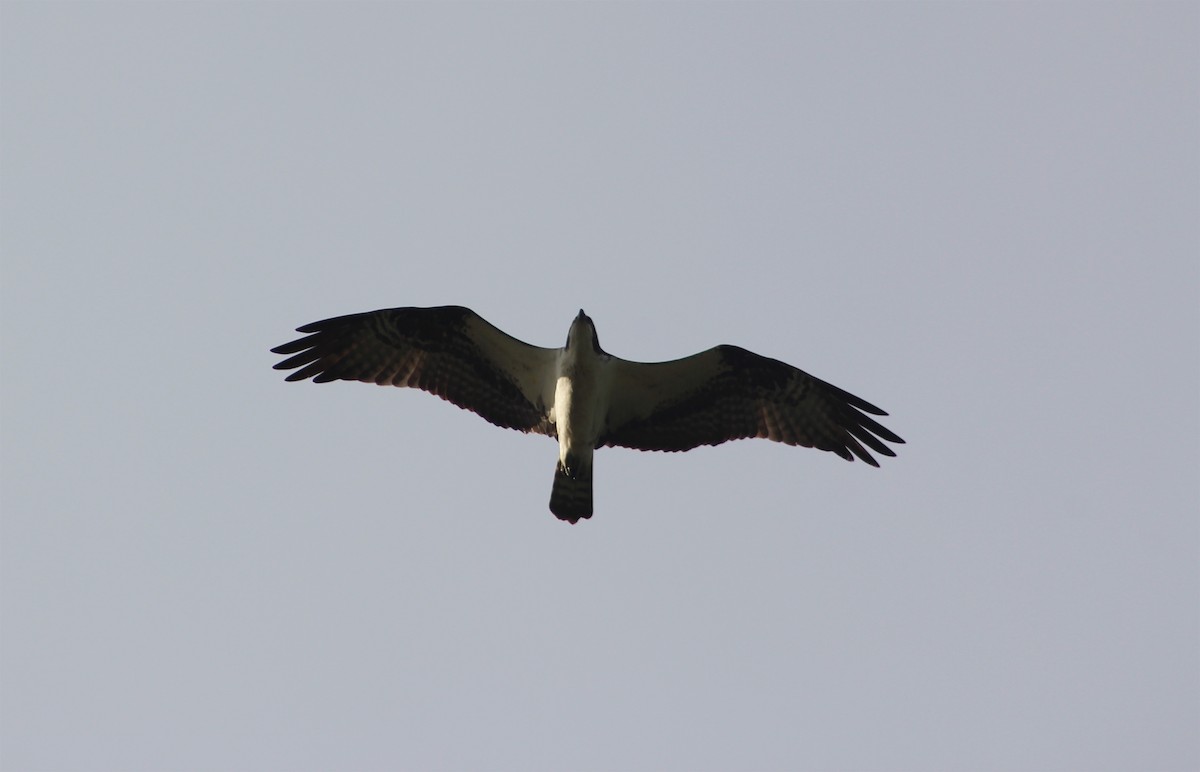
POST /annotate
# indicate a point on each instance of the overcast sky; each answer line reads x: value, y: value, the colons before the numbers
x: 984, y: 218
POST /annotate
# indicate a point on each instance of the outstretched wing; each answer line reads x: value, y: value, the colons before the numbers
x: 449, y: 351
x: 729, y: 393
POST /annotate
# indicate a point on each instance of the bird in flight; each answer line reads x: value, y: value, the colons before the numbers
x: 583, y: 396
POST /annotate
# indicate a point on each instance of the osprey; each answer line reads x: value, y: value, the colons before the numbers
x: 583, y: 396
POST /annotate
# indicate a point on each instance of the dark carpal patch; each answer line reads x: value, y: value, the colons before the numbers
x: 424, y: 348
x: 754, y: 396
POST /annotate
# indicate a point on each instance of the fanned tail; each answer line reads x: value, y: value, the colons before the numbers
x: 571, y: 497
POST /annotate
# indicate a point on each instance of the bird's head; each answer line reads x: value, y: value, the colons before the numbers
x: 582, y: 330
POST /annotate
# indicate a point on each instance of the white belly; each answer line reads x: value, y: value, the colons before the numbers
x: 580, y: 401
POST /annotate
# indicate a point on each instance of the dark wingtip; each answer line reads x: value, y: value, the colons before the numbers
x: 862, y: 404
x: 292, y: 346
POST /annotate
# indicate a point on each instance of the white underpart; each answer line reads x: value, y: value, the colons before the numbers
x: 581, y: 394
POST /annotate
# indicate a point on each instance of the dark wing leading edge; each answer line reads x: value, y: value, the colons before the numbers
x: 448, y: 351
x: 729, y: 393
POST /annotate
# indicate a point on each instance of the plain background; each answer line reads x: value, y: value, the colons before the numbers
x: 982, y: 217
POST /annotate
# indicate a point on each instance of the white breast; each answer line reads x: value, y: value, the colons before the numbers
x: 581, y: 396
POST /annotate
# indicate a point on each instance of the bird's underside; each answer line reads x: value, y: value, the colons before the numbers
x: 584, y: 397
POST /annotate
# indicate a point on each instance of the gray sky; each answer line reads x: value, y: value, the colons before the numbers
x: 985, y: 218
